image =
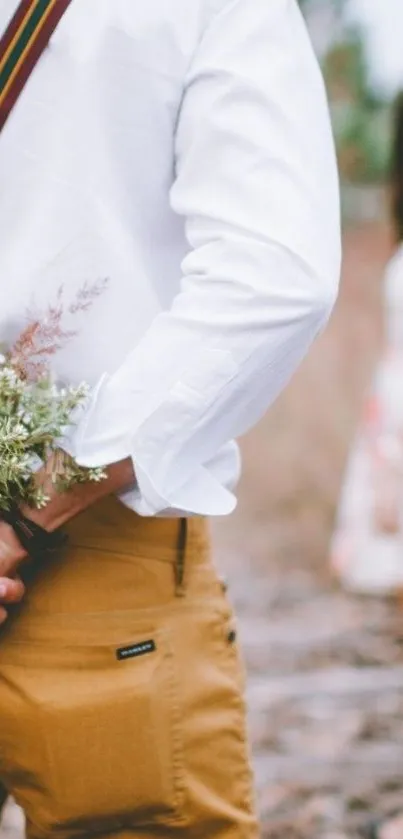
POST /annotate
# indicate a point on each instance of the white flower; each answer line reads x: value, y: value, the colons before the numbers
x: 21, y: 431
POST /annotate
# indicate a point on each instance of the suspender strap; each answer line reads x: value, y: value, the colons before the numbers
x: 22, y: 45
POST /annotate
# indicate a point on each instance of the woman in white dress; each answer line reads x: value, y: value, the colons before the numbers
x: 367, y: 547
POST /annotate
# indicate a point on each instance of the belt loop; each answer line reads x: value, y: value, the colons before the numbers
x: 181, y: 558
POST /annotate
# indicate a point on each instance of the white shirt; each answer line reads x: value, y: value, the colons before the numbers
x: 181, y: 149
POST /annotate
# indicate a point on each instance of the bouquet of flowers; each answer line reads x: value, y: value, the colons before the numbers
x: 35, y: 411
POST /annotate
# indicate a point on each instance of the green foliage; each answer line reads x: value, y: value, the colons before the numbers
x: 360, y: 115
x: 33, y: 418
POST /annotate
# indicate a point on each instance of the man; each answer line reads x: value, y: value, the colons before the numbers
x: 182, y: 150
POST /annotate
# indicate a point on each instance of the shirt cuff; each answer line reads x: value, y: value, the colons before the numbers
x: 203, y: 494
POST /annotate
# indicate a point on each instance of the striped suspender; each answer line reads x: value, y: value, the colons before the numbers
x: 22, y: 45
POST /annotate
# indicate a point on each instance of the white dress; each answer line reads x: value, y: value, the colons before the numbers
x: 367, y: 546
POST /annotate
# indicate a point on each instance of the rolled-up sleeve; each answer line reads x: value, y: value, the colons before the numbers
x: 256, y: 183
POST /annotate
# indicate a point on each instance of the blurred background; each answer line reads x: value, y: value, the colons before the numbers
x: 325, y: 667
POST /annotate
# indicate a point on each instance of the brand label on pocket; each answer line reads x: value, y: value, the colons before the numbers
x: 135, y: 650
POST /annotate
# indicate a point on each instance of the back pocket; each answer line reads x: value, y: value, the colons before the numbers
x: 109, y: 721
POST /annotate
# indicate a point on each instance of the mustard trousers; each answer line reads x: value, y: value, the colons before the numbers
x: 121, y: 692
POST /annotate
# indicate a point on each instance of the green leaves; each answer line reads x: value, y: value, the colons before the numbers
x: 33, y: 419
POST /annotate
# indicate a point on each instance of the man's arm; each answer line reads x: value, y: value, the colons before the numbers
x: 63, y: 506
x: 256, y: 184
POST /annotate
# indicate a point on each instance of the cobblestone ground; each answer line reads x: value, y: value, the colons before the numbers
x: 325, y: 669
x: 326, y: 704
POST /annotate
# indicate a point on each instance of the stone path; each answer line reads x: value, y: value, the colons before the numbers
x: 326, y: 706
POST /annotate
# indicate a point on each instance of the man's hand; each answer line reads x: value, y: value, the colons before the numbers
x: 11, y: 555
x: 11, y: 591
x: 11, y: 551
